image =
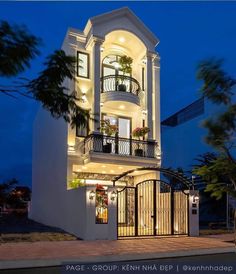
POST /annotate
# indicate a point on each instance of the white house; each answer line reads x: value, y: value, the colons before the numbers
x: 138, y: 203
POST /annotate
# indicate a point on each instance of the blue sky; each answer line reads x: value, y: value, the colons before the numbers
x: 188, y: 33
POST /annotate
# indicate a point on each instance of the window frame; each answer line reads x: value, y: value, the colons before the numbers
x: 88, y: 64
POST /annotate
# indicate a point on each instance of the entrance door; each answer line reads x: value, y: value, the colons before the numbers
x: 124, y: 131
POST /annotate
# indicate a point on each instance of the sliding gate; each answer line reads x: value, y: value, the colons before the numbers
x: 152, y: 208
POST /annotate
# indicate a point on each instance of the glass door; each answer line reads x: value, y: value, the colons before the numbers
x: 124, y: 125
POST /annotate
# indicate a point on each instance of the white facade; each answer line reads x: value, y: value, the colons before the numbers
x: 63, y: 155
x: 60, y: 155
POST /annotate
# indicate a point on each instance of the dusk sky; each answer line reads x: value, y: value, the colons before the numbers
x: 188, y: 31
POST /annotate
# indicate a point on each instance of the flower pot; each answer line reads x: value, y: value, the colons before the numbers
x: 121, y: 87
x: 106, y: 148
x: 138, y: 152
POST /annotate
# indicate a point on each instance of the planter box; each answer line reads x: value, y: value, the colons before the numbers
x: 138, y: 152
x: 106, y: 148
x: 121, y: 87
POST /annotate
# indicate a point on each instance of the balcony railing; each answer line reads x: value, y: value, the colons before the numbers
x: 120, y: 146
x: 120, y: 83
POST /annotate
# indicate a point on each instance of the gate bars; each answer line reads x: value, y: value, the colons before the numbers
x: 152, y: 208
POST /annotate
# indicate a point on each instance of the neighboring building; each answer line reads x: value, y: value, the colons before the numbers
x: 182, y: 143
x: 64, y: 158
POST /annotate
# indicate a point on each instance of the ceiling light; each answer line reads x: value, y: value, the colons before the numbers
x: 116, y: 65
x: 120, y: 167
x: 112, y: 171
x: 121, y: 107
x: 103, y: 166
x: 122, y: 39
x: 84, y: 167
x: 103, y: 172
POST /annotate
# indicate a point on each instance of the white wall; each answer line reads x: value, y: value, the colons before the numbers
x: 49, y: 162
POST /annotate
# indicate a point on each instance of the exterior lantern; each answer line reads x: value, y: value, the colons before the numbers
x: 113, y: 195
x: 92, y: 194
x: 195, y: 198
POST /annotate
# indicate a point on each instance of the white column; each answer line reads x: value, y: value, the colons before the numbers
x: 149, y: 95
x: 96, y: 82
x: 156, y: 103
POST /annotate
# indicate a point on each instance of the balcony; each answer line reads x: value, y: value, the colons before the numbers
x: 114, y: 145
x: 120, y: 88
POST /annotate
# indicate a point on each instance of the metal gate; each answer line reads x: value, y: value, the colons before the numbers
x: 152, y: 208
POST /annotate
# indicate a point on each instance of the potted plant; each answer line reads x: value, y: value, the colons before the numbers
x: 109, y: 130
x: 125, y: 63
x: 138, y: 133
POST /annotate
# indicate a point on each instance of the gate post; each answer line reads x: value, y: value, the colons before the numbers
x: 172, y: 210
x: 193, y: 213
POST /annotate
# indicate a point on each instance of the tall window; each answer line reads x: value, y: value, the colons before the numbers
x: 82, y: 64
x: 101, y: 205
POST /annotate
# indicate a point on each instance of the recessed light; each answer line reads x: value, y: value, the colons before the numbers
x: 103, y: 166
x: 84, y: 167
x: 120, y: 167
x: 112, y: 171
x: 121, y: 107
x: 122, y: 39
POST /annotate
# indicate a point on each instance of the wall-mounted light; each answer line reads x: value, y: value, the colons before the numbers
x: 92, y: 194
x: 83, y: 97
x: 71, y: 148
x: 144, y: 112
x: 113, y: 195
x: 102, y: 49
x: 195, y: 198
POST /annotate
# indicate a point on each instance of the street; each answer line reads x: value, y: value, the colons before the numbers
x: 227, y: 259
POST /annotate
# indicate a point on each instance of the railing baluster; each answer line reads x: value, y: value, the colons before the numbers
x: 121, y: 146
x: 110, y: 83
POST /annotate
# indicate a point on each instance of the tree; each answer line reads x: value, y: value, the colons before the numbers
x: 218, y: 170
x: 17, y: 48
x: 5, y: 190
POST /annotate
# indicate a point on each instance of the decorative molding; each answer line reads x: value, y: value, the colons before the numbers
x: 105, y: 177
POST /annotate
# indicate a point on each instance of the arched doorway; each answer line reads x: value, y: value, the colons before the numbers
x: 153, y: 207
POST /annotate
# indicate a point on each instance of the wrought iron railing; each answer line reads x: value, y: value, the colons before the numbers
x: 120, y: 146
x: 120, y: 83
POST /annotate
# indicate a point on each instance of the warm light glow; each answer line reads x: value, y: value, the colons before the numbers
x: 122, y: 39
x: 103, y: 172
x: 113, y: 195
x: 102, y: 49
x: 112, y: 171
x: 78, y: 170
x: 84, y: 167
x: 103, y: 166
x: 120, y: 167
x: 121, y: 107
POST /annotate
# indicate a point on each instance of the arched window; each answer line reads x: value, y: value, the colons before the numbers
x: 110, y: 66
